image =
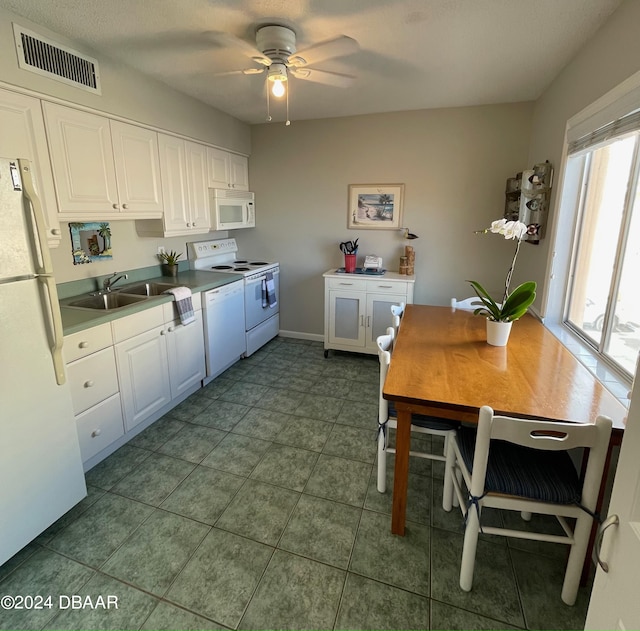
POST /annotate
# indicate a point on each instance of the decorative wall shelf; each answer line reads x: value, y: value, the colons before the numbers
x: 527, y: 198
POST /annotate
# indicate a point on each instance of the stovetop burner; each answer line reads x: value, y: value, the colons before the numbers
x: 218, y: 255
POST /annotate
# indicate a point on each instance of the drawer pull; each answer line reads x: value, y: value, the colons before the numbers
x: 385, y: 286
x: 83, y: 345
x: 89, y: 384
x: 347, y: 284
x: 95, y: 433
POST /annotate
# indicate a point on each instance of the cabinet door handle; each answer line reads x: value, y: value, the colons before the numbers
x: 55, y: 231
x: 115, y: 206
x: 368, y: 322
x: 83, y: 345
x: 125, y: 206
x: 95, y: 433
x: 89, y: 384
x: 172, y: 329
x: 361, y: 320
x: 162, y: 332
x: 193, y: 224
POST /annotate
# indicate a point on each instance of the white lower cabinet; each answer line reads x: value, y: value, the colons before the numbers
x: 123, y: 373
x: 100, y: 426
x: 358, y: 308
x: 143, y: 369
x: 185, y: 351
x: 93, y: 379
x: 158, y: 359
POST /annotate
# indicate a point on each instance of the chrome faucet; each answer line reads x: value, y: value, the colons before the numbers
x: 109, y: 282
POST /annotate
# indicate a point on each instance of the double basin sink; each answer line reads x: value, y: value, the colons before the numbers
x: 121, y: 297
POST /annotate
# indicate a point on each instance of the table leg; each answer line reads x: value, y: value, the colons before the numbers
x: 401, y: 472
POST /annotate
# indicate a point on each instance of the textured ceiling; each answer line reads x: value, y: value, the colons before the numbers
x: 413, y: 54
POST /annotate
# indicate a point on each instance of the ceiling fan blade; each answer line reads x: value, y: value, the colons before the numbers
x: 338, y: 47
x: 225, y: 39
x: 323, y: 76
x: 237, y: 72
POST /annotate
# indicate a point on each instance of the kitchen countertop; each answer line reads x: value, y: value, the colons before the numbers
x: 74, y: 320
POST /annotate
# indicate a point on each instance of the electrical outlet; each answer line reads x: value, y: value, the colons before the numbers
x: 161, y: 249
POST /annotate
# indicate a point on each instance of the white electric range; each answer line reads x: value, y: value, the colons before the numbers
x: 261, y: 308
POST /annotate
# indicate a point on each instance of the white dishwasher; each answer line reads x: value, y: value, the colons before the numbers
x: 224, y: 330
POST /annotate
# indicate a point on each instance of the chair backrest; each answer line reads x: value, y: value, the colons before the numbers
x: 543, y: 435
x: 468, y: 304
x: 385, y: 345
x: 397, y: 312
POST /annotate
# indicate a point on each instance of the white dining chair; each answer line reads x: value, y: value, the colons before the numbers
x: 397, y: 311
x: 419, y: 425
x: 468, y: 304
x: 523, y: 465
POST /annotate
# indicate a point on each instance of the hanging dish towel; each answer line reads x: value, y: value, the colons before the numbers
x: 270, y: 290
x: 184, y: 305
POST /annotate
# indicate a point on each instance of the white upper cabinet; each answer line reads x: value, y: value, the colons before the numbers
x: 102, y: 168
x: 135, y: 150
x: 183, y: 165
x: 227, y: 170
x: 22, y: 135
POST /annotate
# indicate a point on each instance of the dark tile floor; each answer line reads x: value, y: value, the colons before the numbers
x: 253, y: 505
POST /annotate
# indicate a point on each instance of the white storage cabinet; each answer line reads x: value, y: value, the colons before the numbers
x: 358, y: 308
x: 227, y: 170
x: 185, y: 349
x: 102, y: 168
x: 158, y: 359
x: 23, y: 135
x: 93, y: 379
x: 183, y: 165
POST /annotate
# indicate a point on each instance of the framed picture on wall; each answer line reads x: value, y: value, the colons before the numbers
x: 375, y: 206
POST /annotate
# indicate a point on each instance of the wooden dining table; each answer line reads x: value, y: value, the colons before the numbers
x: 442, y: 366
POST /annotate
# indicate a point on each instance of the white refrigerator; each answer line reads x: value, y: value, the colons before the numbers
x: 41, y: 475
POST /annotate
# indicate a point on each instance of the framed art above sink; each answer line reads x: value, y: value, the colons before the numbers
x: 90, y: 242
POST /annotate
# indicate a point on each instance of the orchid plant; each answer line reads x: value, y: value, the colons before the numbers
x: 515, y: 304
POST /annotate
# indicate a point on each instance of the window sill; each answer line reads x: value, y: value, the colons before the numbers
x: 612, y: 381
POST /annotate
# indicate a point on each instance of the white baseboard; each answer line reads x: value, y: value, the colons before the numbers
x: 314, y: 337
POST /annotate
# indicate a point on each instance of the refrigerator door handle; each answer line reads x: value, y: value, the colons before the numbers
x: 45, y: 272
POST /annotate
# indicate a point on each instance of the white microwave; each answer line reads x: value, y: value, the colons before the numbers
x: 231, y: 209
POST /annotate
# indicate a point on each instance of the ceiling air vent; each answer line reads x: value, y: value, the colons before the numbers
x: 45, y: 57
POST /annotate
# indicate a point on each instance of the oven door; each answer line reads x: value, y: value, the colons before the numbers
x: 256, y: 307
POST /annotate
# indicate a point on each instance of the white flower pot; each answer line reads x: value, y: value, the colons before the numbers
x: 498, y: 332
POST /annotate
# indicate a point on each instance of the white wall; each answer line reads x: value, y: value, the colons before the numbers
x: 611, y: 56
x: 453, y: 163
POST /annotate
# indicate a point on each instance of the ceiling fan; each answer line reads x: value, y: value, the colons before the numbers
x: 275, y: 51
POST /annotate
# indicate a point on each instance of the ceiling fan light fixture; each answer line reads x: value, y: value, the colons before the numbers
x: 277, y: 72
x: 277, y: 75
